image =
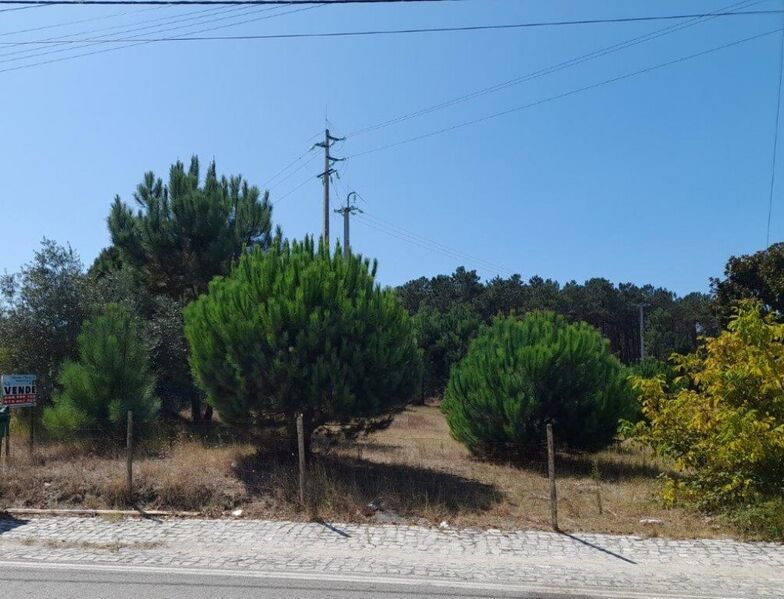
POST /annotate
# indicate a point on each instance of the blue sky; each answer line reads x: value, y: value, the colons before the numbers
x: 653, y: 179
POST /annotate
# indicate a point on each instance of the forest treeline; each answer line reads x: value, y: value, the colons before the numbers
x: 448, y: 310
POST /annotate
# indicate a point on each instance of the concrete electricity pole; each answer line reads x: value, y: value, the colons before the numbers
x: 347, y: 211
x: 329, y: 161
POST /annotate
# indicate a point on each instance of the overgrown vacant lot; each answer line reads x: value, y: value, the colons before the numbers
x: 413, y: 471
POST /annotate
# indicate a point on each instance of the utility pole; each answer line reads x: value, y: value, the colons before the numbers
x: 329, y: 161
x: 347, y: 211
x: 642, y: 331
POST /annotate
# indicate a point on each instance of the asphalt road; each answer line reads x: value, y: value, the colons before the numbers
x: 64, y: 582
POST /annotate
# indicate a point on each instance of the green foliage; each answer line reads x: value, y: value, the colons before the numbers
x: 519, y: 375
x: 758, y: 276
x: 42, y: 309
x: 764, y: 519
x: 110, y: 377
x: 443, y: 338
x: 722, y: 420
x: 651, y: 367
x: 672, y: 324
x: 184, y: 234
x: 296, y: 329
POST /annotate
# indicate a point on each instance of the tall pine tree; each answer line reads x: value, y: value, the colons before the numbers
x: 181, y: 235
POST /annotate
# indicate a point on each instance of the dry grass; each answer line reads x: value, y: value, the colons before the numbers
x: 414, y: 471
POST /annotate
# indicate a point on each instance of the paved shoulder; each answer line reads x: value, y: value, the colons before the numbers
x: 539, y: 562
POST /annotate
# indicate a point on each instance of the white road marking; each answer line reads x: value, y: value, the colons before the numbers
x: 346, y: 578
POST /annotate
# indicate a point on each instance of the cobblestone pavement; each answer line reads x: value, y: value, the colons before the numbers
x: 601, y: 565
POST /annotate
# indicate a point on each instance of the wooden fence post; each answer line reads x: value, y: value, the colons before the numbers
x: 8, y: 442
x: 301, y: 451
x: 32, y: 432
x: 551, y: 473
x: 4, y: 455
x: 129, y: 456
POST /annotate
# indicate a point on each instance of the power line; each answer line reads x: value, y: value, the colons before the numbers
x: 19, y: 8
x: 566, y: 94
x: 424, y: 243
x: 203, y: 2
x: 297, y: 188
x: 76, y: 22
x: 775, y: 141
x: 285, y: 168
x: 469, y: 28
x: 400, y: 230
x: 141, y: 42
x: 552, y: 68
x: 295, y: 171
x: 199, y: 16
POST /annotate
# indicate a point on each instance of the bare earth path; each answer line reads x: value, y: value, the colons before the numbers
x: 494, y: 561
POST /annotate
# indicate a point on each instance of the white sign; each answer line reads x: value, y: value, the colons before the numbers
x: 17, y: 390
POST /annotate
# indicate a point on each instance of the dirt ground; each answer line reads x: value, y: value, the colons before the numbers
x: 412, y: 472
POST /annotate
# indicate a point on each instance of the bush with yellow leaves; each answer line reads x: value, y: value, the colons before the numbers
x: 722, y: 419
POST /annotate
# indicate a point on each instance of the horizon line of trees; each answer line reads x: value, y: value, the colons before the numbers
x: 449, y: 310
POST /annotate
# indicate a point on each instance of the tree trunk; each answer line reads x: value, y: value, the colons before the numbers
x: 196, y: 409
x: 208, y: 413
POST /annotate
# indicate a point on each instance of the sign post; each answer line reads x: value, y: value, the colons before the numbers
x: 5, y: 429
x: 19, y: 391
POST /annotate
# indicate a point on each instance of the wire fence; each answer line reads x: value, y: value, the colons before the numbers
x: 402, y: 472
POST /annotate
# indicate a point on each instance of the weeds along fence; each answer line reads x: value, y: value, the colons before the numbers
x: 386, y: 478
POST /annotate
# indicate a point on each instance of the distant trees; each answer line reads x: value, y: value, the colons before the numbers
x: 443, y: 338
x: 42, y: 309
x: 182, y: 234
x: 672, y: 324
x: 518, y: 375
x: 758, y: 276
x: 299, y: 330
x: 110, y: 377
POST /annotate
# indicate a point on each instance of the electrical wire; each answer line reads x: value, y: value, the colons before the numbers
x: 775, y: 141
x: 199, y: 16
x: 138, y: 43
x: 294, y: 172
x: 566, y: 94
x: 297, y: 188
x: 468, y: 28
x: 204, y: 2
x: 426, y: 244
x: 77, y: 21
x: 601, y: 52
x: 19, y: 8
x: 405, y: 232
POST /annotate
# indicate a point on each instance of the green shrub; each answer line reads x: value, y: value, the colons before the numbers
x: 110, y: 377
x: 297, y: 329
x: 764, y: 519
x: 651, y: 367
x: 722, y: 422
x: 520, y: 374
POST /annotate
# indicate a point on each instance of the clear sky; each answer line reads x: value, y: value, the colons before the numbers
x: 656, y: 178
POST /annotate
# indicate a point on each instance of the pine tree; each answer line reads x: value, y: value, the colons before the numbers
x: 519, y: 375
x: 110, y: 377
x: 185, y: 233
x: 298, y: 329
